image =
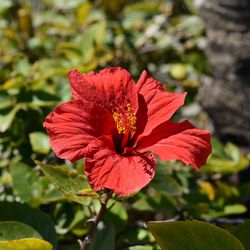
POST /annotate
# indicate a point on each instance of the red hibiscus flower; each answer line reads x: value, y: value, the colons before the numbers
x: 117, y: 126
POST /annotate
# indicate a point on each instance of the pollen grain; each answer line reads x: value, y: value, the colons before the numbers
x: 125, y: 118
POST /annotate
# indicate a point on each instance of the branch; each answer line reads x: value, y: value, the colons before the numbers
x: 84, y: 245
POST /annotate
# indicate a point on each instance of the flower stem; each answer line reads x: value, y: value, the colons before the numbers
x: 85, y: 244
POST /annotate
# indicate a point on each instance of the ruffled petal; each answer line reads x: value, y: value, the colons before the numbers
x: 158, y: 104
x: 178, y: 141
x: 105, y: 168
x: 74, y: 124
x: 106, y: 87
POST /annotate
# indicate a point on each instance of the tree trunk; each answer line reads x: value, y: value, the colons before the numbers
x: 227, y: 97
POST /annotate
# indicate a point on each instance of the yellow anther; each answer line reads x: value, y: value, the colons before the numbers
x: 125, y: 119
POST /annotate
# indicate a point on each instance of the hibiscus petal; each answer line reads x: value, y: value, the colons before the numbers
x: 178, y: 141
x: 160, y: 104
x: 74, y: 124
x: 105, y: 168
x: 105, y: 87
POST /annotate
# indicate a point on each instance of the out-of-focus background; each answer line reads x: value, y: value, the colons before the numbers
x: 201, y: 47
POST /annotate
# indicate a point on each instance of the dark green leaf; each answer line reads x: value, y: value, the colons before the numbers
x: 193, y: 235
x: 242, y: 233
x: 33, y: 217
x: 104, y: 239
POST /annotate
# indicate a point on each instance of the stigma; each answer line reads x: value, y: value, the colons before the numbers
x: 124, y: 115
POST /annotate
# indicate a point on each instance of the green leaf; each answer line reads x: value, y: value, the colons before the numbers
x: 26, y: 183
x: 228, y: 210
x: 7, y: 117
x: 242, y: 233
x: 118, y: 215
x: 166, y: 184
x: 67, y: 181
x: 141, y: 248
x: 5, y: 100
x: 25, y: 244
x: 82, y: 12
x: 226, y: 162
x: 104, y: 239
x: 193, y: 235
x: 14, y: 230
x: 39, y: 142
x: 156, y: 203
x: 33, y: 217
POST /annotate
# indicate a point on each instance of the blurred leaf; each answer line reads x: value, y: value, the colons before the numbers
x: 156, y: 203
x: 193, y: 235
x: 25, y: 244
x: 104, y: 239
x: 218, y: 148
x: 39, y: 142
x: 227, y: 162
x: 14, y: 230
x: 225, y: 166
x: 26, y: 183
x: 23, y: 67
x: 208, y: 188
x: 141, y: 248
x: 178, y: 71
x: 233, y: 152
x: 7, y: 118
x: 25, y: 21
x: 82, y: 12
x: 67, y: 181
x: 5, y: 100
x: 164, y: 183
x: 33, y: 217
x: 242, y: 233
x: 16, y: 83
x: 227, y: 210
x: 118, y: 215
x: 227, y: 190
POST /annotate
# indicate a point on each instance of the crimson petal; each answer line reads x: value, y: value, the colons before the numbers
x: 178, y: 141
x: 159, y: 104
x: 105, y: 87
x: 105, y: 168
x: 74, y: 124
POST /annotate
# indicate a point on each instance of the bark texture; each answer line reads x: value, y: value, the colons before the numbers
x: 227, y: 97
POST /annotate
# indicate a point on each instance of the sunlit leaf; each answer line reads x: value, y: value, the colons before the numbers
x: 5, y: 100
x: 39, y: 142
x: 208, y: 188
x: 67, y: 181
x: 14, y: 230
x: 141, y: 248
x: 82, y: 12
x: 178, y: 71
x: 7, y: 117
x: 25, y: 244
x: 227, y: 210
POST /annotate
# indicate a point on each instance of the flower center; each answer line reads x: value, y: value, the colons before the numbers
x: 124, y: 115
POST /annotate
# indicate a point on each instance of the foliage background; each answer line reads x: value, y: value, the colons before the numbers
x: 40, y: 41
